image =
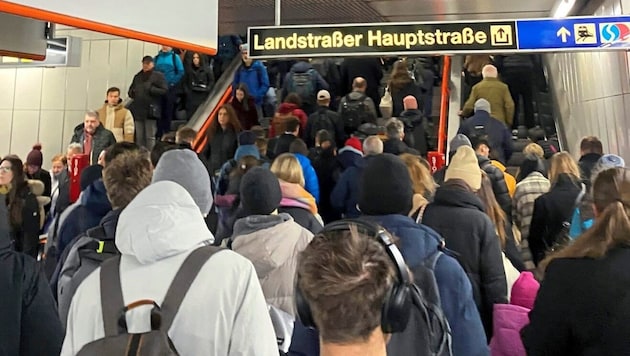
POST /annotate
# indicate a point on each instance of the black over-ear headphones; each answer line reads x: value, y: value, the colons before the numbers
x: 397, y: 304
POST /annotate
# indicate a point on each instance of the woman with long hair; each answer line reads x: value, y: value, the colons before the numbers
x: 554, y: 208
x: 422, y: 183
x: 198, y: 82
x: 24, y: 213
x: 504, y: 231
x: 401, y: 85
x: 296, y: 201
x: 245, y: 106
x: 583, y: 306
x: 222, y: 137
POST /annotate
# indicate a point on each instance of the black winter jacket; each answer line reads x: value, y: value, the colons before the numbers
x: 586, y: 163
x: 397, y: 147
x: 550, y: 211
x: 304, y: 218
x: 29, y: 324
x: 582, y: 307
x: 101, y: 139
x: 458, y: 216
x: 499, y: 187
x: 398, y: 94
x: 146, y: 89
x: 221, y: 148
x: 26, y: 235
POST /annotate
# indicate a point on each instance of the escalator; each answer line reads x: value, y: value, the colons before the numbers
x: 220, y: 94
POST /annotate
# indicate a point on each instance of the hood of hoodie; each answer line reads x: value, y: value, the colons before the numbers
x: 301, y: 67
x: 162, y: 221
x: 94, y: 197
x: 416, y: 242
x: 268, y: 241
x: 458, y: 198
x: 349, y: 157
x: 109, y: 223
x: 287, y: 108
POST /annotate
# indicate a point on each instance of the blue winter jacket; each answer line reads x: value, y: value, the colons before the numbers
x: 418, y: 242
x: 311, y: 183
x: 164, y: 63
x: 256, y: 79
x: 345, y: 195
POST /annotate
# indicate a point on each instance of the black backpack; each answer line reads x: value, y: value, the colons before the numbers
x: 428, y: 332
x: 323, y: 122
x: 354, y: 112
x: 117, y: 339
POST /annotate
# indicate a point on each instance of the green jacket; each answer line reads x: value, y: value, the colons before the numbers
x: 497, y: 94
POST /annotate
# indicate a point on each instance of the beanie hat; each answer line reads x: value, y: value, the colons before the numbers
x: 410, y: 102
x: 260, y: 192
x: 89, y: 175
x: 606, y: 162
x: 184, y: 168
x: 524, y: 290
x: 246, y: 150
x: 385, y: 186
x: 483, y: 105
x: 35, y: 157
x: 246, y: 138
x: 354, y: 143
x: 458, y: 141
x: 464, y: 166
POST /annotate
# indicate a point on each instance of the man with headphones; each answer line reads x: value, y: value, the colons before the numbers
x: 353, y: 286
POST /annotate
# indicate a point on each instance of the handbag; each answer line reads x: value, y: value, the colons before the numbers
x: 387, y: 104
x: 155, y: 112
x: 563, y: 237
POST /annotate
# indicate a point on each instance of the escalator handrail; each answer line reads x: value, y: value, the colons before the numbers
x: 202, y: 135
x: 444, y: 103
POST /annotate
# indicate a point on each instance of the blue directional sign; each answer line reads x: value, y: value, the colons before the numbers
x: 573, y: 33
x: 449, y: 37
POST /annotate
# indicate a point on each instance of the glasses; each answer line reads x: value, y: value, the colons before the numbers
x: 5, y: 169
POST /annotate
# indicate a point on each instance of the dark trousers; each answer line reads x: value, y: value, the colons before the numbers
x: 168, y: 110
x: 521, y: 85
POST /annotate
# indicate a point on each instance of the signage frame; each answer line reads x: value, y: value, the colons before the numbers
x: 303, y: 54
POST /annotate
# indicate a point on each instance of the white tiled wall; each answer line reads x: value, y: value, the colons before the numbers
x: 45, y: 104
x: 593, y: 92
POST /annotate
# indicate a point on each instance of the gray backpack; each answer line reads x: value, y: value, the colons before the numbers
x: 118, y: 341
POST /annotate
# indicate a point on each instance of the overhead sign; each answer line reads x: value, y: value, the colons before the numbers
x: 60, y: 52
x: 498, y: 36
x: 154, y: 21
x: 22, y: 37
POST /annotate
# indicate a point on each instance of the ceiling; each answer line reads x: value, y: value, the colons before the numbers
x: 236, y: 15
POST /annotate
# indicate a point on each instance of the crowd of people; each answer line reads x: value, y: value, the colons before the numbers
x: 326, y: 233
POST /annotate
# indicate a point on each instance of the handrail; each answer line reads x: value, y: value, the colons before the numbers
x: 444, y: 104
x: 202, y: 135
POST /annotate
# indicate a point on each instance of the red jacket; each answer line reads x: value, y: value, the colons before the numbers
x: 285, y: 110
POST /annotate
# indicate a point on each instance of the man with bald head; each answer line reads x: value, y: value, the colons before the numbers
x: 495, y: 92
x: 357, y: 108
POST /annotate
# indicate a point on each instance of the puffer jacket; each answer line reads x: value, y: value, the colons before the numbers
x: 475, y: 239
x: 272, y: 243
x: 499, y: 186
x: 417, y: 243
x: 255, y: 77
x: 311, y: 183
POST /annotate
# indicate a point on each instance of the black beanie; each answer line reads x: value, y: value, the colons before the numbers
x: 246, y: 138
x: 90, y: 175
x: 260, y: 192
x: 385, y: 186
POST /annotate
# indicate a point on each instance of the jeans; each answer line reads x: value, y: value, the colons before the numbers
x: 145, y: 133
x: 168, y: 110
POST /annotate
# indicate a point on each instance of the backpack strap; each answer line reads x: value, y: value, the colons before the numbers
x: 112, y: 302
x: 182, y: 282
x: 431, y: 262
x: 175, y: 63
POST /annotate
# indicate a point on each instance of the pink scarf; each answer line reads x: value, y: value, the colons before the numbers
x: 294, y: 195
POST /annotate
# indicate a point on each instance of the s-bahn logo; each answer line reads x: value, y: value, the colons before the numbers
x: 614, y: 32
